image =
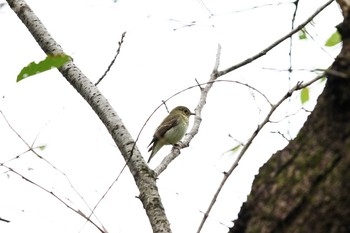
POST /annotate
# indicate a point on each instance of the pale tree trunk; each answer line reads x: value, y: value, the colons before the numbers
x: 305, y: 187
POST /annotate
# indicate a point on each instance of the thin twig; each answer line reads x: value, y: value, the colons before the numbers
x: 32, y: 149
x: 267, y: 49
x: 4, y: 220
x: 55, y: 196
x: 212, y: 15
x: 112, y: 62
x: 254, y: 8
x: 166, y: 106
x: 108, y: 189
x: 199, y: 85
x: 296, y: 3
x: 321, y: 46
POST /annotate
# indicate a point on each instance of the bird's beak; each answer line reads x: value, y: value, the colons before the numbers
x: 192, y: 113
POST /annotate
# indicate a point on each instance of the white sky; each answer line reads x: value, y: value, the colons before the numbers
x: 156, y: 61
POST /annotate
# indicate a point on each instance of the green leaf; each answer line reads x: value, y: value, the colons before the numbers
x: 304, y: 95
x: 43, y: 147
x: 302, y: 34
x: 334, y: 39
x: 51, y: 61
x: 234, y: 149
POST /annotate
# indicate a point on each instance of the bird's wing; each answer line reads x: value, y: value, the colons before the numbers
x: 162, y: 129
x: 165, y: 126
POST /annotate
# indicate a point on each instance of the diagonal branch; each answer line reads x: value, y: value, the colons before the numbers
x: 113, y: 60
x: 277, y: 42
x: 32, y: 149
x: 57, y: 197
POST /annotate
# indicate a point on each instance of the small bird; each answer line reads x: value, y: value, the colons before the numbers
x: 171, y: 130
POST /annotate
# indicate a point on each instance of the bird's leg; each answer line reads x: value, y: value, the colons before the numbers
x: 177, y: 146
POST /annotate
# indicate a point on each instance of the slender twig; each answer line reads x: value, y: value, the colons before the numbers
x: 317, y: 70
x: 290, y: 68
x: 296, y: 3
x: 321, y: 46
x: 166, y: 106
x: 32, y: 149
x: 227, y: 174
x: 255, y: 7
x: 212, y: 15
x: 282, y: 135
x: 205, y: 7
x: 199, y: 85
x: 55, y: 196
x: 112, y: 62
x: 4, y: 220
x: 108, y: 189
x: 277, y: 42
x: 287, y: 116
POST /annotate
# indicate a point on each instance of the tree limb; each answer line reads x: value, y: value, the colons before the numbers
x: 277, y: 42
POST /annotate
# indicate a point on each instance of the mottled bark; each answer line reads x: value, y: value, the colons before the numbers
x: 305, y: 187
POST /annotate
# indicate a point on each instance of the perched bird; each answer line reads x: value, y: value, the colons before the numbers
x: 171, y: 130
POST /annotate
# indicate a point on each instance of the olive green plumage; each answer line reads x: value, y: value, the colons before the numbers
x: 171, y: 130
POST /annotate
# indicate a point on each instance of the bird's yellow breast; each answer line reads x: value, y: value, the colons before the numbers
x: 175, y: 134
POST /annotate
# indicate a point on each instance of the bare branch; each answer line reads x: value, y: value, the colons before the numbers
x: 199, y: 85
x: 277, y: 42
x: 282, y: 135
x: 55, y: 196
x: 4, y: 220
x: 296, y: 4
x: 32, y: 149
x: 105, y: 193
x: 115, y: 57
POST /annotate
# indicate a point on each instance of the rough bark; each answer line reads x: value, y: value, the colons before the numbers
x: 305, y: 187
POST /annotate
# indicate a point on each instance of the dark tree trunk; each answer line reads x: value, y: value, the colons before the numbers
x: 306, y: 186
